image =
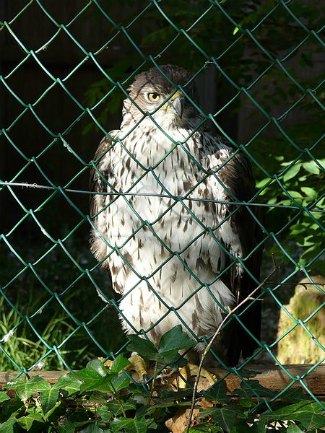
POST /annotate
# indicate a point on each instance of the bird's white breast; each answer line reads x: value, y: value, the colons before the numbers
x: 169, y: 252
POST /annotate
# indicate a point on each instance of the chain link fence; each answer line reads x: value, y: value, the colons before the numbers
x: 65, y: 70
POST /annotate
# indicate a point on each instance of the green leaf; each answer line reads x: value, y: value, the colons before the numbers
x: 10, y: 408
x: 69, y: 383
x: 8, y: 426
x: 128, y: 425
x: 292, y: 172
x: 252, y: 388
x: 142, y: 346
x: 227, y: 417
x: 49, y: 398
x: 217, y: 392
x: 295, y: 194
x: 293, y: 428
x: 25, y: 388
x: 119, y: 364
x: 246, y: 402
x: 309, y: 414
x: 293, y: 395
x: 27, y: 421
x: 4, y: 396
x: 91, y: 377
x: 71, y: 426
x: 309, y: 191
x: 96, y: 383
x: 175, y: 339
x: 262, y: 182
x: 120, y: 382
x: 311, y: 167
x: 97, y: 366
x: 106, y: 414
x: 92, y: 428
x: 205, y: 428
x: 114, y: 408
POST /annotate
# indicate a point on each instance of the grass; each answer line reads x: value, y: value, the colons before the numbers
x: 53, y: 310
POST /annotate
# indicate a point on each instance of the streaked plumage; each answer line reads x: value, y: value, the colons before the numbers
x: 165, y: 254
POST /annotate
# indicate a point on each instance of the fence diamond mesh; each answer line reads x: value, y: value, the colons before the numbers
x: 65, y: 70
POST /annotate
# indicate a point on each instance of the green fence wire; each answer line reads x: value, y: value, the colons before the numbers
x: 258, y: 58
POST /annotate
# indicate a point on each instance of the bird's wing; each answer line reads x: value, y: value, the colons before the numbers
x: 239, y: 186
x: 100, y: 174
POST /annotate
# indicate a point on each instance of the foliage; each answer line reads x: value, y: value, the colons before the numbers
x: 100, y: 399
x: 301, y: 183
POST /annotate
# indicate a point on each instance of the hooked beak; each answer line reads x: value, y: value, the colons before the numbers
x: 177, y: 103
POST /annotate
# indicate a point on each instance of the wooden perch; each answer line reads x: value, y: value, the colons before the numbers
x: 270, y: 376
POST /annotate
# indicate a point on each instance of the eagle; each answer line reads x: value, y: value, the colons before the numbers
x: 168, y: 219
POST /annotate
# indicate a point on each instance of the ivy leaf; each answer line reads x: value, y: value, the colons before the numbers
x: 119, y: 382
x: 246, y: 403
x: 106, y: 414
x: 119, y: 364
x: 175, y: 339
x: 294, y: 395
x: 91, y: 377
x: 49, y: 398
x: 71, y: 426
x: 128, y: 425
x: 97, y: 366
x: 27, y: 387
x: 227, y: 417
x: 114, y: 408
x: 93, y: 383
x: 8, y: 426
x: 10, y: 408
x: 142, y: 346
x: 217, y: 392
x: 205, y: 429
x: 252, y: 388
x: 4, y: 396
x: 27, y: 421
x: 309, y: 414
x: 293, y: 428
x: 92, y: 428
x: 69, y: 383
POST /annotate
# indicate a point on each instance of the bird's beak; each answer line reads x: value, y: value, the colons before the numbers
x: 178, y: 105
x: 177, y: 102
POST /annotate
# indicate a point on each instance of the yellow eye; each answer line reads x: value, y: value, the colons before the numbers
x: 153, y: 96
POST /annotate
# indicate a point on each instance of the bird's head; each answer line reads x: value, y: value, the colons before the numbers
x: 162, y: 98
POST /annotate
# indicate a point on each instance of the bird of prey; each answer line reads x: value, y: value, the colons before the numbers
x: 166, y: 218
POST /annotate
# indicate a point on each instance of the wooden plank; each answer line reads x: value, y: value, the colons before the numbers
x: 270, y: 376
x: 274, y: 378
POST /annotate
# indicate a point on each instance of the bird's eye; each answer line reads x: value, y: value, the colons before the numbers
x: 153, y: 96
